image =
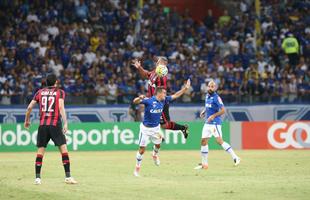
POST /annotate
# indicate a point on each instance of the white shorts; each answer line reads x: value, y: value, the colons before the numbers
x: 149, y: 133
x: 210, y: 130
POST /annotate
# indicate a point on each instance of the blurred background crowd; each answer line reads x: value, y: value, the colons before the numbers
x: 89, y: 45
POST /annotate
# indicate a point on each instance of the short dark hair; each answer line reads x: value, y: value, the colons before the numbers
x: 159, y: 89
x: 51, y: 79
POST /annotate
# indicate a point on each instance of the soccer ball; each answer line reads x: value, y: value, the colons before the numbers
x: 161, y: 70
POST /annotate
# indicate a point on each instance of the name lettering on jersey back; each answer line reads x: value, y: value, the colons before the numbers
x: 48, y: 93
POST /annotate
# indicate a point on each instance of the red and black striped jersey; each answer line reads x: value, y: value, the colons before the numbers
x: 155, y: 81
x: 48, y: 100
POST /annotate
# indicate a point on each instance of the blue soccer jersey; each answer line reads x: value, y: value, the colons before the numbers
x: 213, y: 104
x: 153, y: 109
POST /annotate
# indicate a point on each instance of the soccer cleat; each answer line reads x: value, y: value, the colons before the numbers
x: 201, y: 167
x: 70, y: 180
x: 185, y: 131
x: 237, y: 161
x: 156, y: 160
x: 37, y: 181
x: 136, y: 172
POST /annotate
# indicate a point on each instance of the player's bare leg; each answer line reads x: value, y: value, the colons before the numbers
x: 38, y: 165
x: 155, y: 154
x: 66, y: 163
x: 139, y: 157
x: 204, y: 150
x: 228, y: 149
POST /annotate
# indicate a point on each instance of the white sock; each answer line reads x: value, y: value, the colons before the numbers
x: 155, y: 151
x: 138, y: 159
x: 228, y: 148
x: 204, y: 154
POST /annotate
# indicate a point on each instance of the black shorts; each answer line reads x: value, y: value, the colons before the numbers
x: 165, y: 117
x: 47, y: 132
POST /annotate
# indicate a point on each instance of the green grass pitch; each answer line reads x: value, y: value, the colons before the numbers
x: 109, y: 175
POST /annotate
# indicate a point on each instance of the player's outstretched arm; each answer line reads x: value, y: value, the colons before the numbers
x: 138, y: 99
x: 182, y: 91
x: 63, y: 115
x: 143, y: 72
x: 28, y: 112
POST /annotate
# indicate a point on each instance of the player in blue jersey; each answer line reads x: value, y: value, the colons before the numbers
x: 214, y: 108
x: 150, y: 127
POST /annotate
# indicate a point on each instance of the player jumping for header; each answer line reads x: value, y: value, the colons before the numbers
x: 156, y: 81
x: 150, y: 127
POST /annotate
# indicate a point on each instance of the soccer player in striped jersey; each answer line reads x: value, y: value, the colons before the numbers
x: 156, y: 81
x: 214, y: 108
x: 52, y: 110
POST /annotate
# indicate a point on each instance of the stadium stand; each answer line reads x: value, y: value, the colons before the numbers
x: 89, y: 45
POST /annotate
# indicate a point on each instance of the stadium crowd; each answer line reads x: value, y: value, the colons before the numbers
x: 89, y: 45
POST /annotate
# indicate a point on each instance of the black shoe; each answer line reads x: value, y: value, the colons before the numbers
x: 185, y: 131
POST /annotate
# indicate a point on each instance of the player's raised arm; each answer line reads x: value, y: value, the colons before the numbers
x: 143, y: 72
x: 182, y: 91
x: 138, y: 99
x: 63, y: 115
x: 28, y: 112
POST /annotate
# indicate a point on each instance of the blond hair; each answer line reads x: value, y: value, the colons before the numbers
x: 212, y: 82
